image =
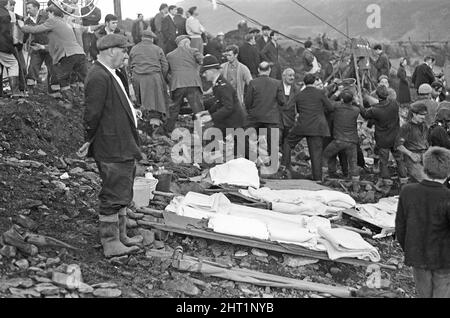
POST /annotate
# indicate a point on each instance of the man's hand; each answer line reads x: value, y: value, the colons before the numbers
x: 415, y: 157
x: 37, y: 47
x: 20, y: 23
x: 83, y: 151
x: 138, y: 113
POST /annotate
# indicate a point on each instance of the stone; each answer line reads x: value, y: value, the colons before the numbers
x: 227, y: 284
x: 8, y: 251
x: 224, y: 260
x: 40, y: 152
x: 76, y: 171
x: 259, y: 253
x: 41, y: 279
x: 240, y: 254
x: 262, y: 259
x: 369, y: 187
x: 107, y: 293
x: 85, y: 288
x: 158, y: 245
x: 149, y: 236
x: 24, y: 292
x: 15, y: 282
x: 53, y: 261
x: 328, y: 275
x: 216, y: 249
x: 182, y: 285
x: 202, y: 243
x: 25, y: 222
x: 131, y: 224
x: 47, y: 289
x: 297, y: 261
x: 22, y: 264
x: 104, y: 285
x: 245, y: 264
x: 132, y: 262
x: 335, y: 270
x: 370, y: 197
x: 121, y: 260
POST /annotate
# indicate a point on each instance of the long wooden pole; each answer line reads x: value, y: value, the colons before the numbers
x: 118, y: 9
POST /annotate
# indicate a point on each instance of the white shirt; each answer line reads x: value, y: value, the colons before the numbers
x: 118, y: 80
x: 287, y: 89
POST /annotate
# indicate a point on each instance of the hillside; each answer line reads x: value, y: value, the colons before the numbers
x: 400, y: 19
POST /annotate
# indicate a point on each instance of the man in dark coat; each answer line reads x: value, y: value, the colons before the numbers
x: 180, y: 22
x: 270, y: 54
x: 169, y: 31
x: 264, y: 99
x: 249, y: 55
x: 423, y: 74
x: 215, y: 47
x: 262, y: 41
x: 382, y: 63
x: 112, y: 140
x: 422, y: 226
x: 138, y: 27
x: 311, y: 104
x: 111, y: 22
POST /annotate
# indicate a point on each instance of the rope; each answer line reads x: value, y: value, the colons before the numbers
x: 321, y: 19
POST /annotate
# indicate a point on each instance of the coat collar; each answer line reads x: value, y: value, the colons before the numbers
x: 433, y: 184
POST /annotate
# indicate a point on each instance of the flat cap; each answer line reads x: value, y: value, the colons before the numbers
x: 382, y: 92
x: 180, y: 38
x: 425, y: 89
x: 148, y: 34
x: 443, y: 114
x: 419, y: 108
x: 112, y: 40
x: 209, y: 62
x: 254, y: 30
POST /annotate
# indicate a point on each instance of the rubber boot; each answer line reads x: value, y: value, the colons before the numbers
x: 110, y: 237
x: 14, y: 83
x: 355, y: 184
x: 127, y: 241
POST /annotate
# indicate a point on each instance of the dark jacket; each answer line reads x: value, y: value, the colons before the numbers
x: 422, y: 225
x: 439, y: 136
x: 261, y: 44
x: 250, y: 57
x: 382, y: 65
x: 108, y: 118
x: 225, y: 109
x: 264, y: 99
x: 180, y: 23
x: 311, y: 104
x: 169, y: 32
x: 288, y: 111
x: 423, y: 74
x: 92, y: 19
x: 136, y: 32
x: 387, y: 122
x: 6, y: 40
x: 345, y: 126
x: 215, y: 48
x: 404, y: 95
x: 270, y: 54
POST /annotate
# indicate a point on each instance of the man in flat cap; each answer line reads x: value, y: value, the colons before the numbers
x: 184, y: 78
x: 412, y: 141
x: 264, y: 39
x: 112, y: 140
x: 149, y: 69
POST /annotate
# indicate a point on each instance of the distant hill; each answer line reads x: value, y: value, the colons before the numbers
x: 400, y: 19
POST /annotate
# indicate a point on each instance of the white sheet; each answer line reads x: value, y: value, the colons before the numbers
x: 239, y: 226
x: 240, y: 172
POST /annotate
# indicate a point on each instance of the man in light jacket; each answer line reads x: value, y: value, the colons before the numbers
x: 184, y: 78
x: 236, y: 73
x: 195, y: 29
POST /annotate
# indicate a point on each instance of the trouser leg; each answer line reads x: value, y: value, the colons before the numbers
x: 194, y: 97
x: 441, y: 283
x: 351, y: 154
x: 360, y: 159
x: 344, y: 162
x: 329, y: 156
x: 286, y: 150
x: 424, y: 282
x: 36, y: 60
x: 415, y: 169
x: 383, y: 153
x: 117, y: 186
x: 315, y: 150
x: 174, y: 109
x: 292, y: 140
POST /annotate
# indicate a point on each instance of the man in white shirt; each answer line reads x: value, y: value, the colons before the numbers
x: 112, y: 140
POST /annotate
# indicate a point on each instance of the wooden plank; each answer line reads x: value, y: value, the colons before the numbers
x: 354, y: 214
x: 294, y: 184
x: 191, y: 227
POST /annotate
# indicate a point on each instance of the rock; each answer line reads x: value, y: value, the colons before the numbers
x: 22, y: 264
x: 149, y: 236
x: 315, y: 296
x: 8, y: 251
x: 85, y: 288
x: 264, y: 260
x: 182, y: 285
x: 216, y: 249
x: 259, y: 253
x: 64, y: 176
x: 158, y: 245
x: 240, y: 254
x: 225, y: 260
x: 52, y: 261
x: 24, y: 292
x: 15, y: 282
x: 328, y: 275
x: 297, y: 261
x: 107, y: 293
x: 104, y: 285
x: 59, y: 185
x: 370, y: 197
x: 369, y: 188
x: 76, y: 171
x: 202, y: 243
x: 40, y: 152
x: 132, y: 262
x: 25, y: 222
x: 41, y: 279
x: 29, y: 204
x: 227, y: 284
x: 268, y: 296
x: 245, y: 264
x: 121, y: 260
x: 131, y: 224
x: 335, y: 270
x: 47, y: 289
